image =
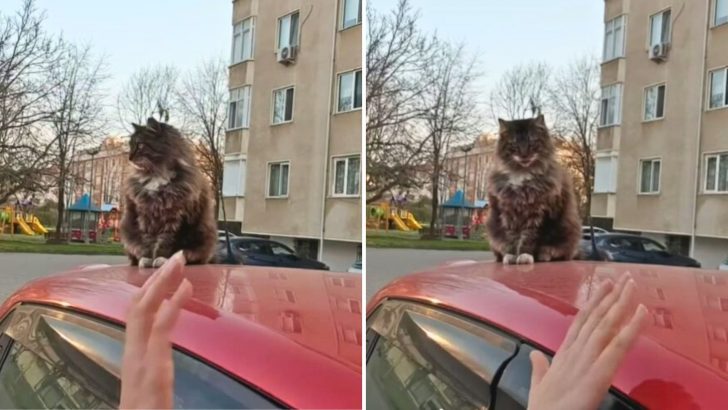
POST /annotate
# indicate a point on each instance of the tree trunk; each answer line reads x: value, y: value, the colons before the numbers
x: 60, y: 207
x: 435, y: 194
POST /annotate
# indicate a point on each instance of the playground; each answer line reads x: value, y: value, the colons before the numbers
x: 19, y: 222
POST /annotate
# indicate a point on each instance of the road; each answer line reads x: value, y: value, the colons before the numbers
x: 384, y: 265
x: 18, y: 268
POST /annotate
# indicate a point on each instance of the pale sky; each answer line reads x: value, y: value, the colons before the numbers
x: 505, y: 33
x: 135, y: 33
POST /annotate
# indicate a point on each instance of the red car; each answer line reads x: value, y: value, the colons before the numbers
x: 459, y: 336
x: 250, y: 338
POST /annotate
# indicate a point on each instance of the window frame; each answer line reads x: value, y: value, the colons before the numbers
x: 609, y: 29
x: 243, y: 175
x: 245, y: 124
x: 707, y: 156
x: 269, y: 172
x: 617, y: 121
x: 339, y: 78
x: 613, y: 167
x: 342, y: 21
x: 243, y: 59
x: 663, y: 40
x: 345, y: 159
x: 664, y: 101
x: 714, y: 20
x: 711, y: 73
x: 652, y: 160
x: 283, y: 89
x: 277, y: 46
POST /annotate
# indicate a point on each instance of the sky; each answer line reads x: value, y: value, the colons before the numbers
x: 132, y: 34
x: 506, y: 33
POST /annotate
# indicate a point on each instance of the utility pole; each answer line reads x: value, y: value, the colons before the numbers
x: 93, y: 152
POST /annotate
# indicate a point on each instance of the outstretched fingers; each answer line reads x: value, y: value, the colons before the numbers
x: 612, y: 356
x: 596, y: 315
x: 602, y: 290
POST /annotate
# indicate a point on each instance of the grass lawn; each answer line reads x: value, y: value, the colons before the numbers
x: 411, y: 240
x: 36, y: 244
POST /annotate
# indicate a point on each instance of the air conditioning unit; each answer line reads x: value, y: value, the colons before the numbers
x: 287, y: 55
x: 658, y: 52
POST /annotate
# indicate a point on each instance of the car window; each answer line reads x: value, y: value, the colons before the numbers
x: 62, y: 360
x: 627, y: 244
x: 429, y: 359
x: 515, y: 384
x: 650, y: 246
x: 279, y: 249
x: 249, y: 246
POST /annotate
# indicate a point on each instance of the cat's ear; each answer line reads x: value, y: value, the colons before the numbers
x: 540, y: 121
x: 502, y: 124
x: 154, y: 125
x: 137, y: 127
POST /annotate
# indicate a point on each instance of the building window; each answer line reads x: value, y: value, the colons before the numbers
x: 243, y: 40
x: 239, y: 108
x: 716, y: 173
x: 349, y: 91
x: 288, y: 30
x: 283, y: 105
x: 605, y: 175
x: 660, y: 28
x: 654, y: 102
x: 614, y: 39
x: 721, y: 12
x: 233, y: 178
x: 611, y: 105
x: 347, y: 173
x: 278, y: 179
x: 719, y: 88
x: 650, y: 176
x: 352, y: 13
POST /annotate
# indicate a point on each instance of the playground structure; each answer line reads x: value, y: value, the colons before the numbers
x: 20, y: 222
x: 384, y: 216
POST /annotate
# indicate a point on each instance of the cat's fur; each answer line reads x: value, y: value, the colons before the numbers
x: 169, y: 206
x: 533, y: 212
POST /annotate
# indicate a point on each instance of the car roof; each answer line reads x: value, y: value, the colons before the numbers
x: 681, y: 357
x: 290, y: 333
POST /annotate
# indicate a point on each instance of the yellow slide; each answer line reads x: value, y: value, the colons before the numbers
x: 24, y: 228
x: 412, y: 222
x: 37, y: 226
x: 398, y: 222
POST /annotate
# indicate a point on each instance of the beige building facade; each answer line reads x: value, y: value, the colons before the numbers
x: 662, y: 145
x: 293, y: 145
x: 466, y: 169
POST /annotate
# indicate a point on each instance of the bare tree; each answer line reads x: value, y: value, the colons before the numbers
x: 202, y: 99
x: 522, y: 92
x: 27, y: 55
x: 150, y: 92
x: 452, y: 113
x: 574, y: 98
x: 78, y: 113
x: 396, y: 56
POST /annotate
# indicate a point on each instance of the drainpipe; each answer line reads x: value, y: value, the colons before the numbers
x: 703, y: 76
x: 327, y: 145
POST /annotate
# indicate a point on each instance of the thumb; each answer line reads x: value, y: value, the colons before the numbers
x: 539, y: 367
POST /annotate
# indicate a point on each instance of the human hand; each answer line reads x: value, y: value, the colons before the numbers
x: 147, y: 372
x: 595, y: 345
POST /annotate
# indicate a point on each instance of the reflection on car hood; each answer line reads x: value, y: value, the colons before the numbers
x: 294, y: 333
x: 685, y: 343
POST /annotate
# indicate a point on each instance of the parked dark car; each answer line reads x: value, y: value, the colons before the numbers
x: 617, y: 247
x: 264, y: 252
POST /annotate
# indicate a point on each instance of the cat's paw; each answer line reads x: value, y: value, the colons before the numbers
x: 509, y: 259
x: 145, y: 262
x: 159, y: 261
x: 524, y: 259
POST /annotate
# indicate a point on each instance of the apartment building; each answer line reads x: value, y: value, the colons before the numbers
x: 293, y: 145
x: 100, y: 172
x: 662, y: 145
x: 466, y: 168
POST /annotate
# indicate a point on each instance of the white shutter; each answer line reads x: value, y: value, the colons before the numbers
x: 231, y: 178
